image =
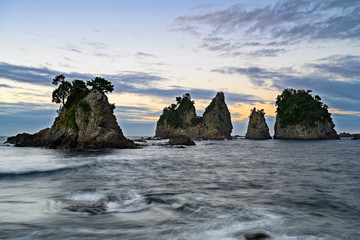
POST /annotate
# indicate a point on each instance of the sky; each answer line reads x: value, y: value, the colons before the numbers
x: 154, y: 51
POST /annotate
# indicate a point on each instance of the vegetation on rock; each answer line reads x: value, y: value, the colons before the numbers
x: 101, y: 84
x: 174, y: 114
x: 300, y: 107
x: 70, y: 94
x: 181, y: 117
x: 85, y: 119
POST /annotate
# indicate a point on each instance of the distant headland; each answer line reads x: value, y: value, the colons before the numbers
x: 86, y: 119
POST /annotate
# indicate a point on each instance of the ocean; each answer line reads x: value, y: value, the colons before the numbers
x: 296, y: 190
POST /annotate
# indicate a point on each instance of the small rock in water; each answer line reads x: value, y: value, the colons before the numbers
x: 356, y: 137
x: 181, y: 140
x: 256, y: 236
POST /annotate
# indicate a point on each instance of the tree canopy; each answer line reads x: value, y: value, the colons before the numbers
x: 173, y: 114
x: 101, y: 84
x: 69, y: 92
x: 60, y: 94
x: 300, y: 107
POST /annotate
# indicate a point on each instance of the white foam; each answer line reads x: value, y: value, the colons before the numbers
x: 87, y: 197
x: 120, y: 200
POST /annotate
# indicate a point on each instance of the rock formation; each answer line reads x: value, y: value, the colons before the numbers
x: 176, y: 118
x: 182, y: 139
x: 257, y: 127
x: 215, y: 124
x: 86, y: 124
x: 301, y: 116
x: 356, y: 137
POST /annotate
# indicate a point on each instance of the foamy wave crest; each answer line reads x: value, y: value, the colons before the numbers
x: 121, y: 200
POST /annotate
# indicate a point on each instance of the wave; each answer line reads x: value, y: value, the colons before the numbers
x: 107, y: 201
x: 43, y: 171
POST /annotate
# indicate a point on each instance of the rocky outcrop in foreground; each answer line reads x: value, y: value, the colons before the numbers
x: 86, y: 124
x: 257, y: 127
x: 302, y: 116
x: 215, y: 124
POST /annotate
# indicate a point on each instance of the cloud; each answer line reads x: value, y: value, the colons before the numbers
x: 283, y: 23
x: 5, y: 86
x: 25, y: 117
x: 142, y: 54
x: 188, y: 29
x: 125, y: 82
x: 93, y: 48
x: 15, y: 108
x: 42, y: 75
x: 202, y: 6
x: 335, y: 79
x: 342, y: 66
x: 138, y: 114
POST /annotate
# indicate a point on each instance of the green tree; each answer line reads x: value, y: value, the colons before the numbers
x: 58, y: 79
x: 78, y: 90
x: 60, y: 94
x: 300, y: 107
x: 78, y: 87
x: 101, y: 84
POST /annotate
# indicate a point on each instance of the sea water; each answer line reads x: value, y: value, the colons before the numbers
x: 214, y: 190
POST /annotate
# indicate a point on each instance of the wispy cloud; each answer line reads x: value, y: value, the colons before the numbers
x: 142, y: 54
x: 27, y: 74
x: 202, y: 6
x: 335, y: 78
x: 130, y: 113
x: 5, y: 86
x: 342, y: 66
x: 22, y: 107
x: 125, y: 82
x: 93, y: 48
x: 283, y: 23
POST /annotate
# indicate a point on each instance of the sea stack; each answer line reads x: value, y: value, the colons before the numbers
x: 257, y: 127
x: 302, y: 116
x: 215, y: 124
x: 176, y: 118
x: 87, y: 123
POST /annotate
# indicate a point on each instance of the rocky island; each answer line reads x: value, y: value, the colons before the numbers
x: 181, y: 118
x: 257, y: 127
x: 85, y: 120
x: 302, y: 116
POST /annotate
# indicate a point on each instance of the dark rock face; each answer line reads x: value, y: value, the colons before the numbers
x: 257, y: 127
x: 321, y: 130
x: 27, y: 140
x: 215, y: 124
x: 88, y: 124
x: 302, y: 116
x: 181, y: 140
x: 216, y: 121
